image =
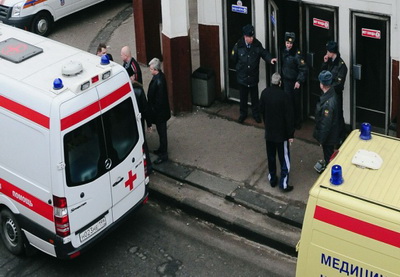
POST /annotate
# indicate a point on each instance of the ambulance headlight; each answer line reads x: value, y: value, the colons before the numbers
x: 104, y: 60
x: 58, y: 84
x: 85, y: 85
x: 16, y: 9
x: 106, y: 75
x: 336, y: 175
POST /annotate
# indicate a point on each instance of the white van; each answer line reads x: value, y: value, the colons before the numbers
x: 71, y: 145
x: 352, y: 222
x: 38, y: 16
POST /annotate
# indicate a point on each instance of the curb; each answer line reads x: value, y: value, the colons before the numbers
x: 236, y: 218
x: 289, y: 213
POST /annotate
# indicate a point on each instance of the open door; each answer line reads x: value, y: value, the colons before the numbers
x: 238, y: 14
x: 321, y: 26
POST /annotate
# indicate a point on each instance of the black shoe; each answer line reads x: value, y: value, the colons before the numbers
x: 257, y: 119
x: 160, y: 160
x: 273, y: 183
x: 320, y: 166
x: 241, y: 118
x: 287, y: 189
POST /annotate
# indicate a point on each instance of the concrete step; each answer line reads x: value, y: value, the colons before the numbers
x: 225, y: 213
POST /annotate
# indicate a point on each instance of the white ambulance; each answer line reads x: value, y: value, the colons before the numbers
x: 38, y: 16
x: 71, y: 145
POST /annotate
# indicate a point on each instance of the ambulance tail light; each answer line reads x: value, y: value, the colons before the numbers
x: 61, y: 219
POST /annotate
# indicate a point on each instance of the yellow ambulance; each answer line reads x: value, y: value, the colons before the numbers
x: 352, y: 221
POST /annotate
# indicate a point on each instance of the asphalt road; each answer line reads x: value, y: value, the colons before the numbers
x: 87, y: 28
x: 159, y: 240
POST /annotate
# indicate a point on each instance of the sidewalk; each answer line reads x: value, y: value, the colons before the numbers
x: 218, y: 168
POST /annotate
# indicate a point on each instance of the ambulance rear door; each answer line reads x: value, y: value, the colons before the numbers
x: 103, y: 157
x: 124, y: 137
x: 87, y: 189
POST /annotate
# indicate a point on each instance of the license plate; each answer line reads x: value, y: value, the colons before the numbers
x: 93, y: 229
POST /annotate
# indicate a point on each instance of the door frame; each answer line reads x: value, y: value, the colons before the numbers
x: 306, y: 9
x: 228, y: 51
x: 353, y: 90
x: 272, y: 32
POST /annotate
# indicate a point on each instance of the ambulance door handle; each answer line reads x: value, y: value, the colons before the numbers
x: 118, y: 181
x: 108, y: 163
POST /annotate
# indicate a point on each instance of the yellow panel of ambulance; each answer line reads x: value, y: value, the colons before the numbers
x: 352, y: 221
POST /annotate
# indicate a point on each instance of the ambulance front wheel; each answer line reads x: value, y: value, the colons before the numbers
x: 42, y: 23
x: 11, y: 233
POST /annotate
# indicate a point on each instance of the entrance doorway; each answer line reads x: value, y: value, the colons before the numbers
x: 282, y: 16
x: 371, y: 69
x: 238, y: 14
x: 321, y: 27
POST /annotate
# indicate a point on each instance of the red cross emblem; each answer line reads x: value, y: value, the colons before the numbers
x: 131, y: 179
x: 10, y: 50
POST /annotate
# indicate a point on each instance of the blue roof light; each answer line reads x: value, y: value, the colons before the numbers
x: 336, y: 175
x: 58, y: 84
x: 104, y: 60
x: 365, y: 131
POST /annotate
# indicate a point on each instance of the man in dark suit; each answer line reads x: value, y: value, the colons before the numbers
x: 277, y: 112
x: 159, y: 109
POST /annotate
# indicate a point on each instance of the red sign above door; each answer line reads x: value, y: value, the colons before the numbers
x: 369, y: 33
x: 320, y: 23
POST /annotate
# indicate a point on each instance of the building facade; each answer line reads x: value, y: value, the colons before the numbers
x: 367, y: 33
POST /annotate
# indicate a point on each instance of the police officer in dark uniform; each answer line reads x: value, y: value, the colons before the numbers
x: 294, y: 73
x: 327, y: 121
x: 246, y: 55
x: 335, y: 64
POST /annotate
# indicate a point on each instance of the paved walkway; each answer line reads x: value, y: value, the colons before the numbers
x: 218, y: 167
x: 217, y: 158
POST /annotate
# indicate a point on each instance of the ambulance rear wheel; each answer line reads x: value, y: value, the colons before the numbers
x: 42, y: 24
x: 11, y: 233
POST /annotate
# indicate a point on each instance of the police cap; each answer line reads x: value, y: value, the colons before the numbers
x: 332, y: 46
x: 248, y: 30
x: 290, y: 37
x: 325, y: 78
